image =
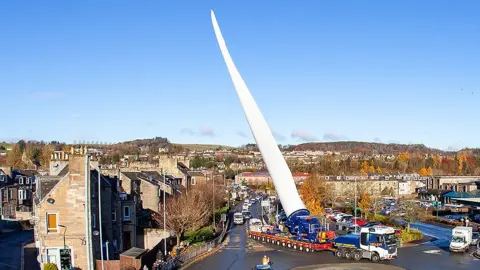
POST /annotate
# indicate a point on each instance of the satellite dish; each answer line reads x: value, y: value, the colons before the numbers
x: 50, y: 200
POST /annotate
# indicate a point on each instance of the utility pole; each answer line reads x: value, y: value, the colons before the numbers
x: 164, y: 215
x: 88, y: 227
x: 100, y: 214
x: 355, y: 210
x: 213, y: 199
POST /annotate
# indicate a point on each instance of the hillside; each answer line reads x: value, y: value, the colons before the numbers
x: 202, y: 147
x: 366, y: 148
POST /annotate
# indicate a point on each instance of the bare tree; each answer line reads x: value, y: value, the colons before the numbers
x: 410, y: 212
x: 185, y: 212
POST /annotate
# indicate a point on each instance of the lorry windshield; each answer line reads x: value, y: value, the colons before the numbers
x: 458, y: 239
x: 389, y: 239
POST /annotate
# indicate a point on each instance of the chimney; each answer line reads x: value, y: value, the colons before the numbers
x: 77, y: 164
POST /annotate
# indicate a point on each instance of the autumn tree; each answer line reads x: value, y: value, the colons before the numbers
x: 425, y: 171
x: 365, y: 203
x: 313, y: 192
x: 403, y: 157
x: 14, y: 158
x: 185, y: 212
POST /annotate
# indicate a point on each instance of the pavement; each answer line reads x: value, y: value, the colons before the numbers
x: 244, y: 253
x: 11, y: 248
x: 350, y: 266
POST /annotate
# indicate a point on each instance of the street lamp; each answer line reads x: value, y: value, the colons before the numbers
x: 64, y: 232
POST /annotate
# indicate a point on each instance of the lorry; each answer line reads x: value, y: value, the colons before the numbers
x: 461, y: 239
x: 238, y: 218
x: 375, y: 243
x: 270, y: 235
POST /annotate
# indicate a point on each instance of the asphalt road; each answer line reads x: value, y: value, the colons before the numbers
x: 10, y: 248
x: 243, y: 253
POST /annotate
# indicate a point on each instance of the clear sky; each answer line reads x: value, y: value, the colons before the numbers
x: 319, y: 70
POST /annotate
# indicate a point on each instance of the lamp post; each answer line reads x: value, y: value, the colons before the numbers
x: 165, y: 215
x: 64, y: 232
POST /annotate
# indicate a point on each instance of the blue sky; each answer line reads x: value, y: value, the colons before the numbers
x: 319, y: 70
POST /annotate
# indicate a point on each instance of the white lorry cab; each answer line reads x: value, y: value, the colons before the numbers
x: 461, y: 239
x: 238, y: 218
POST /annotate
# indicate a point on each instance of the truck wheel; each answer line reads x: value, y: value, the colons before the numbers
x: 301, y: 248
x: 307, y: 249
x: 375, y: 258
x: 339, y: 253
x: 347, y: 254
x: 283, y: 243
x: 289, y: 245
x: 356, y: 255
x: 294, y: 246
x: 278, y: 243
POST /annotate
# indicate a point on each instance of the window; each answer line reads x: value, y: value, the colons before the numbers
x: 114, y: 216
x: 123, y: 196
x: 20, y: 180
x: 27, y: 180
x: 194, y: 182
x: 52, y: 223
x: 94, y: 221
x: 10, y: 194
x: 126, y: 213
x: 3, y: 178
x: 363, y: 239
x: 22, y: 194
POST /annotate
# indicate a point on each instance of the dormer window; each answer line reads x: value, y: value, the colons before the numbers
x: 20, y: 180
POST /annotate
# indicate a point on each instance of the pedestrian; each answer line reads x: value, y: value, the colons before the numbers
x: 467, y: 222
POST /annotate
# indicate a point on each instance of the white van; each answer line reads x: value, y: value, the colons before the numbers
x: 238, y: 218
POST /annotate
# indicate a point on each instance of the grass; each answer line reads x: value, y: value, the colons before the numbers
x: 203, y: 147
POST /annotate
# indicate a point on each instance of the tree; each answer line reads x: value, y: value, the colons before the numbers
x: 403, y: 157
x: 425, y: 171
x: 410, y: 212
x: 313, y: 192
x: 365, y: 203
x: 185, y: 212
x: 14, y: 158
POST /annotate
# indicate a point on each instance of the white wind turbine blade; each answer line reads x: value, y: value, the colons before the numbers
x: 278, y: 168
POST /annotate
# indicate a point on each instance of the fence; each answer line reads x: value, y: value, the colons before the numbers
x: 194, y: 252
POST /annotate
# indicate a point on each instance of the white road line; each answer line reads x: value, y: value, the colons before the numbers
x: 9, y: 265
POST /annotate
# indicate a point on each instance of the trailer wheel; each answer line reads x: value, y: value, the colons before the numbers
x: 289, y: 245
x: 267, y: 240
x: 356, y: 255
x: 339, y: 253
x: 307, y: 249
x: 263, y: 239
x: 347, y: 254
x: 278, y: 243
x: 295, y: 246
x: 375, y: 258
x: 301, y: 248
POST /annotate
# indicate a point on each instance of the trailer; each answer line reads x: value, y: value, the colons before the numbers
x: 324, y: 242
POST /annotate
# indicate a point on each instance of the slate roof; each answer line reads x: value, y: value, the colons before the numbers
x: 192, y: 173
x: 46, y: 184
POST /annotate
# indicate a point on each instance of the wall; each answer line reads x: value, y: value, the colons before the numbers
x: 149, y: 195
x: 153, y: 236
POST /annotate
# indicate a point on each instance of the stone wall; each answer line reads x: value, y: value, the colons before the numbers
x: 150, y: 196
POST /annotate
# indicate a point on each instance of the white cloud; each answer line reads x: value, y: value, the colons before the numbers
x: 334, y: 137
x: 279, y: 137
x: 303, y: 136
x: 206, y: 132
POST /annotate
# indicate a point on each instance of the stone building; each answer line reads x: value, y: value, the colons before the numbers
x: 60, y: 215
x: 177, y: 166
x: 17, y: 190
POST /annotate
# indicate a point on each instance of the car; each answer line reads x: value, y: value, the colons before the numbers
x: 338, y: 216
x: 246, y: 215
x: 358, y: 221
x: 475, y: 237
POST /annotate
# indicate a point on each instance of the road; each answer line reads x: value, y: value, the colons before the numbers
x: 10, y: 248
x: 243, y: 253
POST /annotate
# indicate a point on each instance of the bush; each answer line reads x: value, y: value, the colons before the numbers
x: 200, y: 235
x: 50, y: 266
x: 413, y: 235
x: 385, y: 220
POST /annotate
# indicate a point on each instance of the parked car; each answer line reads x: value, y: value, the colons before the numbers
x: 358, y: 221
x: 475, y: 237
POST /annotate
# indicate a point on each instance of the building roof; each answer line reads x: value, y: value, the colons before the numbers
x: 29, y: 173
x: 46, y: 184
x: 134, y: 252
x: 192, y: 173
x: 468, y: 201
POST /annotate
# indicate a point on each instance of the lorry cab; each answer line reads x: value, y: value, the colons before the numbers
x: 375, y: 243
x: 380, y: 240
x: 238, y: 218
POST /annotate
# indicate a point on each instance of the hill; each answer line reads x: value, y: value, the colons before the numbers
x: 366, y: 148
x: 203, y: 147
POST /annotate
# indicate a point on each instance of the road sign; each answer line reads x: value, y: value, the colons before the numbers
x: 224, y: 217
x: 265, y: 203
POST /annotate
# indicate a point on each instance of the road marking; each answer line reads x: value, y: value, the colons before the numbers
x: 432, y: 251
x: 9, y: 265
